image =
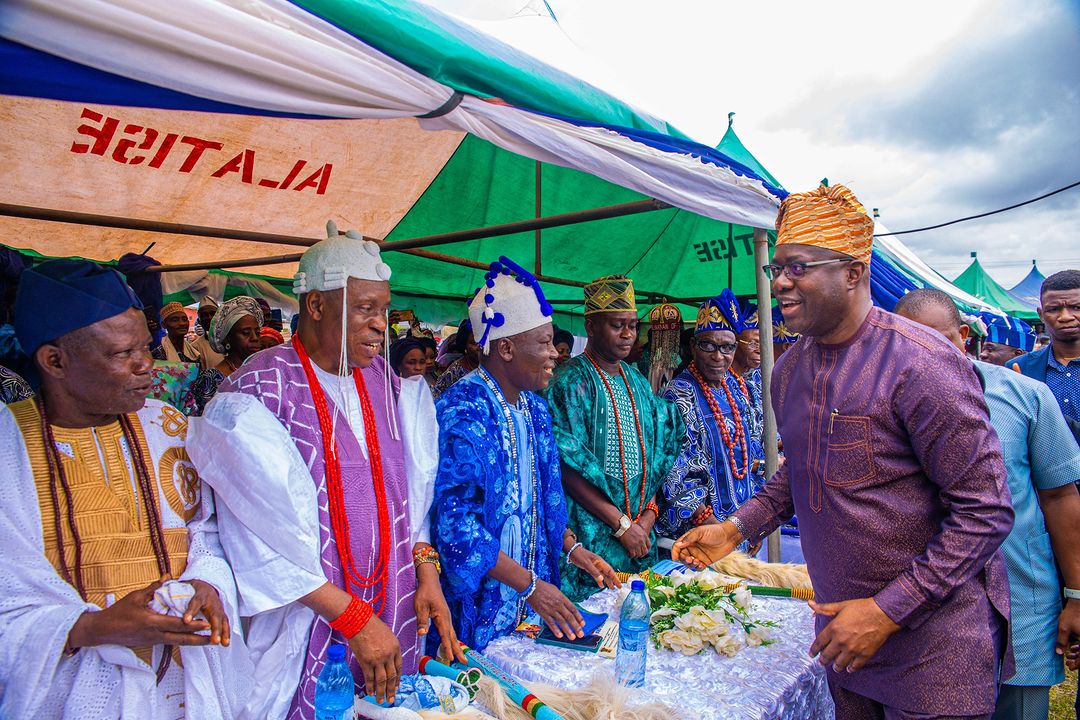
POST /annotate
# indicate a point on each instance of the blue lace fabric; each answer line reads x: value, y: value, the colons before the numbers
x: 702, y: 473
x: 476, y: 499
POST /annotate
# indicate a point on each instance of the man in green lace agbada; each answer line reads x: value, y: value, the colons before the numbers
x: 617, y: 440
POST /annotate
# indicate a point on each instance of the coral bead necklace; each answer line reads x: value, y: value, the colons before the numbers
x: 718, y: 417
x: 339, y: 519
x: 618, y: 429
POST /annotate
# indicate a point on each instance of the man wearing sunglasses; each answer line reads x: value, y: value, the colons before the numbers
x: 897, y: 479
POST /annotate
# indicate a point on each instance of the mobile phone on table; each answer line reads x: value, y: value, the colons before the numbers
x: 589, y: 643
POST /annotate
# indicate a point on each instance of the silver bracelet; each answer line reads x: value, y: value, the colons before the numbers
x: 573, y: 547
x: 1070, y: 594
x: 532, y: 586
x: 739, y: 526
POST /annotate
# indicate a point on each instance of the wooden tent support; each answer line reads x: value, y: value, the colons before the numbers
x: 77, y: 218
x: 477, y: 265
x: 520, y: 226
x: 570, y: 218
x: 768, y: 434
x: 536, y: 268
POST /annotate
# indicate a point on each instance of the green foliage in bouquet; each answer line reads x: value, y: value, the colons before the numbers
x: 692, y: 611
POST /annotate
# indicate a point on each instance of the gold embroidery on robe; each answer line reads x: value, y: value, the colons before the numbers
x: 117, y: 555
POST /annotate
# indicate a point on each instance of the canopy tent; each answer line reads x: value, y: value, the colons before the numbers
x: 1029, y: 290
x: 218, y: 114
x: 976, y: 281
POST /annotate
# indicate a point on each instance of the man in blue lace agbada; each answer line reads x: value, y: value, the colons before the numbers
x: 499, y: 511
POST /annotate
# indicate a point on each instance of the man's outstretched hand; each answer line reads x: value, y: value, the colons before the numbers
x: 705, y: 544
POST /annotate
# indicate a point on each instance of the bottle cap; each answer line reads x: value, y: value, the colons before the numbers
x: 336, y: 653
x: 637, y: 586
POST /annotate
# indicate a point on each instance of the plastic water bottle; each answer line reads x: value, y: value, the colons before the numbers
x: 633, y: 637
x: 334, y: 688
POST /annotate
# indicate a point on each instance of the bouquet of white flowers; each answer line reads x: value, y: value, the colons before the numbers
x: 694, y: 610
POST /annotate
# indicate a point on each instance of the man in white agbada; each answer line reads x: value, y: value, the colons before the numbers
x: 322, y: 462
x: 99, y: 508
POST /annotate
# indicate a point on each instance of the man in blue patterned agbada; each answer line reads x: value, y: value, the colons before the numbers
x: 721, y: 463
x: 499, y: 515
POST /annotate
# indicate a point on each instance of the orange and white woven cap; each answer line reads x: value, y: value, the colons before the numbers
x: 829, y: 217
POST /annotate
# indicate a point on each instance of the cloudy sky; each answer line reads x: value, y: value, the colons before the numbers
x: 930, y: 111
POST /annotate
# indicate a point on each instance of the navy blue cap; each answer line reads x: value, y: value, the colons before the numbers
x: 60, y: 296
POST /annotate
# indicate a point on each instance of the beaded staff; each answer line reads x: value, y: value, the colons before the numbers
x: 762, y: 590
x: 514, y: 690
x: 469, y: 679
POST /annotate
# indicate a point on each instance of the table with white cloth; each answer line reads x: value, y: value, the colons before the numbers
x: 775, y: 682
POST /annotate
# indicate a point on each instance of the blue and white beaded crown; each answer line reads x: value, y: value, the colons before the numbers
x: 510, y: 302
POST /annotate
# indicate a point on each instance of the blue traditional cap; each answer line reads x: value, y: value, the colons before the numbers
x: 748, y: 314
x: 780, y: 332
x: 60, y: 296
x: 720, y: 313
x: 1008, y: 331
x: 510, y: 302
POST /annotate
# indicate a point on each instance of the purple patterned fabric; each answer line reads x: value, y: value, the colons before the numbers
x: 898, y: 481
x: 277, y: 378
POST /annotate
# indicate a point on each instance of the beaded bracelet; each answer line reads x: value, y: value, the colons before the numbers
x: 353, y: 619
x: 651, y: 505
x: 701, y: 516
x: 427, y: 554
x: 527, y: 593
x: 573, y: 547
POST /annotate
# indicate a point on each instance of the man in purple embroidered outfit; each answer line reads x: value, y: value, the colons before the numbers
x: 897, y: 478
x: 261, y: 444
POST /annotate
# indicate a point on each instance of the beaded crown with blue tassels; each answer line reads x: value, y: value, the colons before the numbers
x: 510, y: 302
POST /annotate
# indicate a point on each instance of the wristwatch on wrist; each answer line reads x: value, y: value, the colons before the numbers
x: 1071, y: 594
x: 624, y: 525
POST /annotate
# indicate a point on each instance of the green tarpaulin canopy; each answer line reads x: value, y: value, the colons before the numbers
x: 976, y: 281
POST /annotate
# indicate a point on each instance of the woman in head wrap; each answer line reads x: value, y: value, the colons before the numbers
x: 465, y: 345
x: 234, y: 332
x: 269, y: 337
x: 431, y: 351
x: 408, y: 358
x: 564, y: 344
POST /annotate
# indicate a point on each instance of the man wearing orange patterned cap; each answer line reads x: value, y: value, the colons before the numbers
x: 897, y: 479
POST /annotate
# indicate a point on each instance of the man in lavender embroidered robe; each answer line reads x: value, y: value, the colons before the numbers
x: 261, y: 444
x: 897, y: 478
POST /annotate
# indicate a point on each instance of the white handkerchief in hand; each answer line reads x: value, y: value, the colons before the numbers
x: 172, y: 598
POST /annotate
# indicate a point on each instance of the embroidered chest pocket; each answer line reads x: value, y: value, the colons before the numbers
x: 849, y: 455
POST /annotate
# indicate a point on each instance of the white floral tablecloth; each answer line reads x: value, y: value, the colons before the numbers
x: 777, y: 682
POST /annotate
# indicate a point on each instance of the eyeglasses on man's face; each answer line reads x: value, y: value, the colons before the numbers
x: 795, y: 270
x: 723, y: 348
x: 752, y: 344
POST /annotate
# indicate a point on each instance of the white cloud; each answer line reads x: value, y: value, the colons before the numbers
x: 929, y: 110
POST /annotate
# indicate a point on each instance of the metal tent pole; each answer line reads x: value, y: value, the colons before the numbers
x: 764, y: 301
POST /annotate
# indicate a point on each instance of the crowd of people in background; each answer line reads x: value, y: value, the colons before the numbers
x: 196, y: 507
